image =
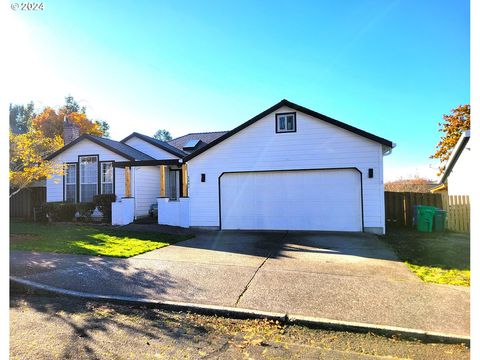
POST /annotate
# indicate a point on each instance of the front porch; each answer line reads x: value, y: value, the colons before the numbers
x: 161, y: 182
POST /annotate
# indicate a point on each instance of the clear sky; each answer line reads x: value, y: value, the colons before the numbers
x: 388, y: 67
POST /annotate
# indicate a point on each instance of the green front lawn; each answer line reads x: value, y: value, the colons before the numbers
x: 441, y: 258
x: 86, y: 239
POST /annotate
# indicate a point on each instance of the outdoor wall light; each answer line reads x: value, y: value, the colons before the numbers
x: 202, y: 178
x: 370, y: 173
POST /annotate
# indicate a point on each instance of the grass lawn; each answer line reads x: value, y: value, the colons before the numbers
x: 86, y: 239
x: 441, y: 258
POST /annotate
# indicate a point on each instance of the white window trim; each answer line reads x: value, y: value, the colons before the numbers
x: 175, y: 173
x: 67, y: 183
x: 285, y: 116
x: 102, y: 163
x: 80, y: 176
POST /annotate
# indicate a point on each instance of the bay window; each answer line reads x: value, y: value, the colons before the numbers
x: 88, y: 177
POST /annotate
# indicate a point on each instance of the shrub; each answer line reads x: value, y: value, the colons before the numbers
x: 62, y: 211
x: 84, y: 210
x: 40, y: 214
x: 104, y: 203
x: 59, y: 211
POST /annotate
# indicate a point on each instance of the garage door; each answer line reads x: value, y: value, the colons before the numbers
x: 292, y: 200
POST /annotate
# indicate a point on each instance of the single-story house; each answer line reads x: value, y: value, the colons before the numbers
x: 288, y: 168
x: 457, y: 178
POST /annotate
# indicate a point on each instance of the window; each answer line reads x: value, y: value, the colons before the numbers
x: 286, y: 122
x: 173, y: 183
x: 70, y: 183
x: 107, y: 177
x: 88, y: 178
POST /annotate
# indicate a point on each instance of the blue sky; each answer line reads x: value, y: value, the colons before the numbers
x: 389, y: 67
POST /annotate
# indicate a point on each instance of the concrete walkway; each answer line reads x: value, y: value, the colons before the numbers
x: 338, y: 276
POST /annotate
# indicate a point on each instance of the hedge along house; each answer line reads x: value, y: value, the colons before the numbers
x: 288, y: 168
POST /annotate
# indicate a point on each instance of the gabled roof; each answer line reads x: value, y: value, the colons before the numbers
x: 294, y: 106
x: 158, y: 143
x: 117, y: 147
x: 204, y: 137
x: 454, y: 156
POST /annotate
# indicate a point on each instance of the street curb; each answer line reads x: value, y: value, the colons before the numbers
x: 239, y: 313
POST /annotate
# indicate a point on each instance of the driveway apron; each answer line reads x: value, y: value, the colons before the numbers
x: 342, y: 276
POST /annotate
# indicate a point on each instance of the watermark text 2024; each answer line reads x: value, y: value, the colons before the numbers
x: 27, y: 6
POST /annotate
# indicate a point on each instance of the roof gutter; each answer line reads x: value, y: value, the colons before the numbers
x: 172, y: 150
x: 123, y: 164
x: 388, y: 150
x: 456, y: 152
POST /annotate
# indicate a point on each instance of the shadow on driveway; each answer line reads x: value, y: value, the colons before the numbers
x: 279, y: 244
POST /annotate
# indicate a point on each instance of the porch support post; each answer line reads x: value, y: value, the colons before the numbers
x: 128, y: 189
x: 184, y: 181
x: 162, y: 180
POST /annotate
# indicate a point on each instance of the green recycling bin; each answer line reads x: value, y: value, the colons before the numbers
x: 439, y: 220
x: 425, y: 215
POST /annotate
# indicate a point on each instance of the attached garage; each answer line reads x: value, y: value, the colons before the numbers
x: 323, y: 199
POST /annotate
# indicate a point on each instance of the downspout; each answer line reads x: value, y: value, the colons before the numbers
x: 382, y: 192
x: 389, y: 151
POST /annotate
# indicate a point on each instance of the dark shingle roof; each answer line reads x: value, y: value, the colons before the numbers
x: 205, y: 137
x: 158, y: 143
x: 117, y: 147
x: 124, y: 148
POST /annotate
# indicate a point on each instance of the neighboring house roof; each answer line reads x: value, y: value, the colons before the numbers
x: 158, y: 143
x: 117, y: 147
x: 456, y: 152
x: 294, y: 106
x: 205, y: 138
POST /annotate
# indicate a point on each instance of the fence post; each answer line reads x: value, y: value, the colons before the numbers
x: 464, y: 214
x: 455, y: 213
x: 468, y: 212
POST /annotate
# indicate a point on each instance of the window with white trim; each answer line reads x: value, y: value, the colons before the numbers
x: 173, y: 184
x: 70, y: 183
x: 107, y: 177
x: 286, y: 122
x: 88, y: 178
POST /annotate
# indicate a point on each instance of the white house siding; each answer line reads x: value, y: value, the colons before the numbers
x: 460, y: 180
x: 120, y: 183
x: 84, y: 147
x: 55, y: 188
x: 315, y: 145
x: 147, y: 188
x: 149, y: 149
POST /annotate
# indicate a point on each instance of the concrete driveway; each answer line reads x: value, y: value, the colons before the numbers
x: 341, y: 276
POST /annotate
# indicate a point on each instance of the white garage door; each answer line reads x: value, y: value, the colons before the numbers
x: 292, y: 200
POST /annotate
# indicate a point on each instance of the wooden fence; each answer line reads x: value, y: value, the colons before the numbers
x: 399, y: 208
x: 458, y: 212
x: 22, y: 204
